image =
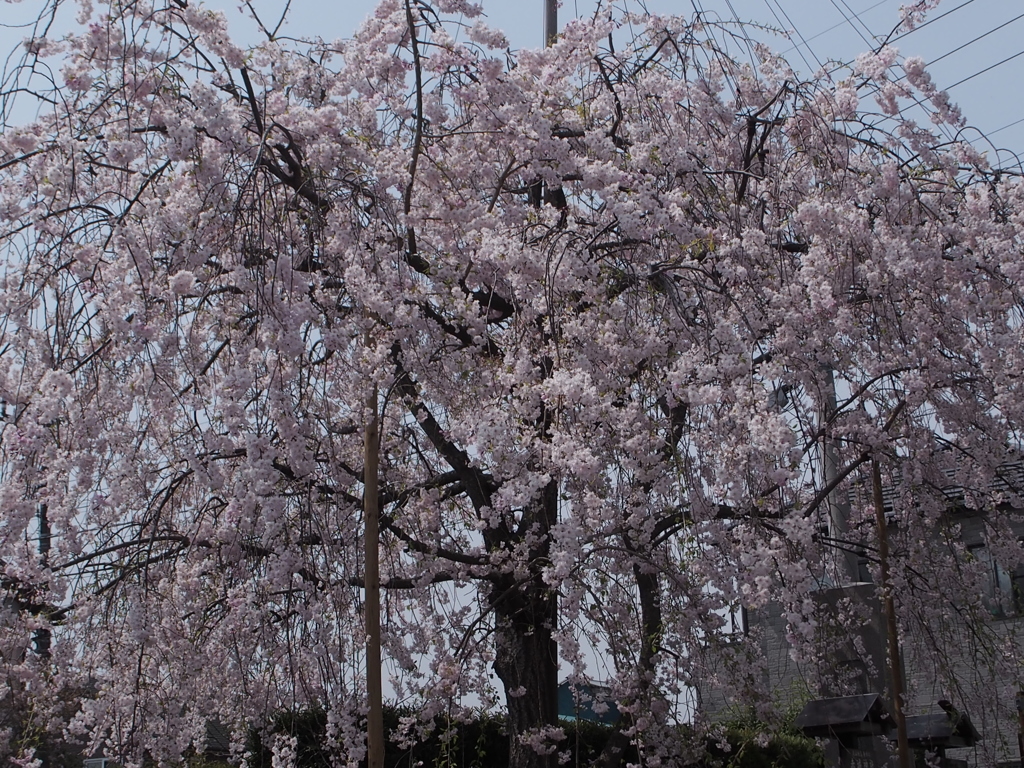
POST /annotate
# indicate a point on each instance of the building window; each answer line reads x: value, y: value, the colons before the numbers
x: 1017, y: 590
x: 736, y: 621
x: 1003, y: 593
x: 864, y: 570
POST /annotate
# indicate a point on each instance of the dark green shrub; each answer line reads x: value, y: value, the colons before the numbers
x: 751, y: 745
x: 482, y: 742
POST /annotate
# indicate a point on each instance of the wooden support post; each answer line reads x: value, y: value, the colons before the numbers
x: 371, y: 513
x: 1020, y: 726
x: 895, y: 662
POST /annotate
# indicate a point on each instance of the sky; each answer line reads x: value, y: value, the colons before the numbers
x: 975, y: 48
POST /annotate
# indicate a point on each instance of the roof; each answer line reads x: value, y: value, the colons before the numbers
x: 863, y: 714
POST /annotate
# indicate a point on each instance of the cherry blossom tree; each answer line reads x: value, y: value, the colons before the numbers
x: 616, y: 296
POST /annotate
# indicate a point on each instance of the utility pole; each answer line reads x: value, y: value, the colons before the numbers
x: 838, y: 503
x: 538, y: 189
x: 41, y: 637
x: 550, y: 22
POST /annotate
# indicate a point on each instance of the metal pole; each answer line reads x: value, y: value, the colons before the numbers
x: 550, y: 22
x: 41, y: 637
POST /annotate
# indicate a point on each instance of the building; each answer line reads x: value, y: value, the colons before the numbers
x: 963, y: 647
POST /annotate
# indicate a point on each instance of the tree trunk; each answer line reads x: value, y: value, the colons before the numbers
x: 526, y: 654
x: 526, y: 661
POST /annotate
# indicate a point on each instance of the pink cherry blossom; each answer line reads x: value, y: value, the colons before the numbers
x: 638, y: 317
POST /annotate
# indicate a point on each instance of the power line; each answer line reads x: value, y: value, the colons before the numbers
x: 718, y: 49
x: 838, y: 25
x: 852, y: 18
x: 848, y: 20
x: 979, y: 37
x: 986, y: 69
x: 855, y: 20
x: 797, y: 32
x: 746, y: 35
x: 1008, y: 125
x: 932, y: 20
x: 945, y: 129
x: 986, y: 134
